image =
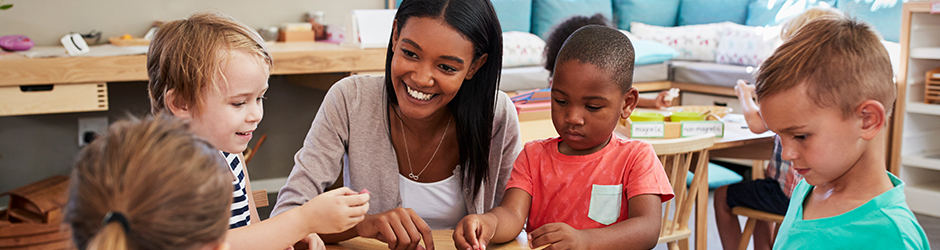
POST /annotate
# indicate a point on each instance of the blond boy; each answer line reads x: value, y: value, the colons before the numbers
x: 827, y: 93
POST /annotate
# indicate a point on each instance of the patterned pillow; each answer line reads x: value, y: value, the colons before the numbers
x: 522, y: 49
x: 747, y: 45
x: 694, y: 42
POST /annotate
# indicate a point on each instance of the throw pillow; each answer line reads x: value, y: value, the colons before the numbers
x: 712, y: 11
x: 747, y: 45
x: 651, y: 52
x: 775, y: 12
x: 694, y: 42
x: 548, y: 13
x: 522, y: 49
x: 659, y: 12
x: 884, y: 15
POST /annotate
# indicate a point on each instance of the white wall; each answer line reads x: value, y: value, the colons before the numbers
x: 45, y: 21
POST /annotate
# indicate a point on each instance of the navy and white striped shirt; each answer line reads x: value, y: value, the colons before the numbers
x: 240, y: 214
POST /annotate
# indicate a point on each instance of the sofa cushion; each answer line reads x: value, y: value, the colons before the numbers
x: 514, y: 15
x: 535, y: 77
x: 651, y: 52
x: 522, y: 49
x: 747, y: 45
x: 775, y: 12
x: 694, y: 42
x: 711, y: 73
x: 712, y: 11
x: 548, y: 13
x: 658, y: 12
x: 884, y: 15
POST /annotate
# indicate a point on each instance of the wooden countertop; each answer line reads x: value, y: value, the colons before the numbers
x: 289, y: 58
x: 443, y: 239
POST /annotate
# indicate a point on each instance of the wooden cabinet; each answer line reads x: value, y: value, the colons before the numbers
x: 918, y: 123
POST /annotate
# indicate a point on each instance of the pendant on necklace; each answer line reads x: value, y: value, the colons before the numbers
x: 413, y: 176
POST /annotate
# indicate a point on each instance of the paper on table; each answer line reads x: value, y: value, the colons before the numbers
x: 94, y: 51
x: 371, y: 27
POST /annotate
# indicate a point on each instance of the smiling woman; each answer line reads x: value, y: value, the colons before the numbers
x: 444, y: 142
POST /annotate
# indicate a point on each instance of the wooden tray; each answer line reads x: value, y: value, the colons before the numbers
x: 117, y: 41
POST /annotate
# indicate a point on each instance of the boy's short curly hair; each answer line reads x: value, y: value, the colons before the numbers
x: 842, y: 61
x: 604, y: 47
x: 561, y: 32
x: 186, y: 56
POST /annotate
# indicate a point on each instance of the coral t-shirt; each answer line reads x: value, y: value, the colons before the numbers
x: 586, y: 191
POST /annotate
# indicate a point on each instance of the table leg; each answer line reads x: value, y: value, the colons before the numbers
x: 701, y: 213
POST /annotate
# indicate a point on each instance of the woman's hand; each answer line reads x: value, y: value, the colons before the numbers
x: 401, y: 228
x: 559, y: 236
x: 337, y: 210
x: 475, y: 231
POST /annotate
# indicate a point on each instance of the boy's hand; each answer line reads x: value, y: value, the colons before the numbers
x: 311, y: 241
x: 560, y: 236
x: 474, y: 231
x: 401, y: 228
x: 744, y: 90
x: 338, y: 210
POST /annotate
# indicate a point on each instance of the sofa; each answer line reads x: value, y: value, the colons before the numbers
x: 709, y: 44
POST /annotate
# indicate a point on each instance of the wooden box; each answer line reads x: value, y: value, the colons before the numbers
x: 932, y: 86
x: 34, y: 218
x: 295, y: 36
x: 53, y: 98
x: 669, y: 129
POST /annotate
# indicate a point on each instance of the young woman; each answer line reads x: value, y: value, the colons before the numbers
x: 445, y: 138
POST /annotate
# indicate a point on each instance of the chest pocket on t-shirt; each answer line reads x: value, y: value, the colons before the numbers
x: 605, y: 203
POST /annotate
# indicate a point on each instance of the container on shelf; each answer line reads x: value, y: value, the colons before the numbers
x: 932, y: 86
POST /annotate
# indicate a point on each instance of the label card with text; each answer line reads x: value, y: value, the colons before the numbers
x: 647, y: 129
x: 693, y: 128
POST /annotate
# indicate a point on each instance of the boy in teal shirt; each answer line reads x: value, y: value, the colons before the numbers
x: 827, y: 92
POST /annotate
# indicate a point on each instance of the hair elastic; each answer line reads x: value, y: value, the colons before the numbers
x: 116, y: 216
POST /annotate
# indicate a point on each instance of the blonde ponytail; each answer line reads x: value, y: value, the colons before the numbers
x: 110, y: 237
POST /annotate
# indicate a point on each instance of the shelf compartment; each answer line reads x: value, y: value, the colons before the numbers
x: 925, y: 161
x: 924, y: 198
x: 53, y: 98
x: 926, y: 53
x: 923, y: 108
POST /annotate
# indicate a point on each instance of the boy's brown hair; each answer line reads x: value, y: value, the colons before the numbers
x: 842, y: 61
x: 186, y: 56
x: 169, y: 184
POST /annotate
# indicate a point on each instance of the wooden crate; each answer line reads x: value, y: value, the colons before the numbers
x: 932, y: 86
x: 53, y: 98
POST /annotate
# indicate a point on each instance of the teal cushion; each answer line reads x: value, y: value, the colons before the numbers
x: 651, y: 52
x: 775, y: 12
x: 548, y: 13
x: 657, y: 12
x: 514, y: 15
x: 883, y: 15
x: 712, y: 11
x: 717, y: 176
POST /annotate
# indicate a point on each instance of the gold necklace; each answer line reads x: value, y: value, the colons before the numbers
x: 404, y: 138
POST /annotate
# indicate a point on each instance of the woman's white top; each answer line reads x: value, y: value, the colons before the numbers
x: 441, y: 204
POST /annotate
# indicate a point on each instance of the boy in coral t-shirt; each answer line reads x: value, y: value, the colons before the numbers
x: 587, y: 188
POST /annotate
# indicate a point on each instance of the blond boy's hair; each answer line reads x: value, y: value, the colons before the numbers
x: 170, y: 185
x: 842, y: 62
x: 186, y: 56
x: 791, y: 26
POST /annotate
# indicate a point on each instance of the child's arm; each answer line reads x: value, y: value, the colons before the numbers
x: 663, y: 100
x: 640, y: 231
x: 330, y: 212
x: 745, y: 93
x: 501, y: 224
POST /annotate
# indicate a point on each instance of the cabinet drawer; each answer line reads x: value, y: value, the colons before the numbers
x: 53, y: 98
x: 692, y: 98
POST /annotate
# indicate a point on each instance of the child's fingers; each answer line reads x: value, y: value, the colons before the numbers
x: 355, y: 199
x: 543, y: 235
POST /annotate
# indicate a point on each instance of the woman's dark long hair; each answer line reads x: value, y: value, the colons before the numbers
x: 475, y: 102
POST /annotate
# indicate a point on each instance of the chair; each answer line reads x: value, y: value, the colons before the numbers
x: 752, y: 217
x: 678, y: 157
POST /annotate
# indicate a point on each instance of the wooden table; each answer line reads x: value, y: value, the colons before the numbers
x: 738, y: 142
x: 443, y: 240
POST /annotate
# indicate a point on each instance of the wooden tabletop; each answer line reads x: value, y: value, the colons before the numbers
x: 443, y: 240
x: 289, y: 58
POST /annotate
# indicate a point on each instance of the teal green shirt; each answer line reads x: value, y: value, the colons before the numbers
x: 884, y: 222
